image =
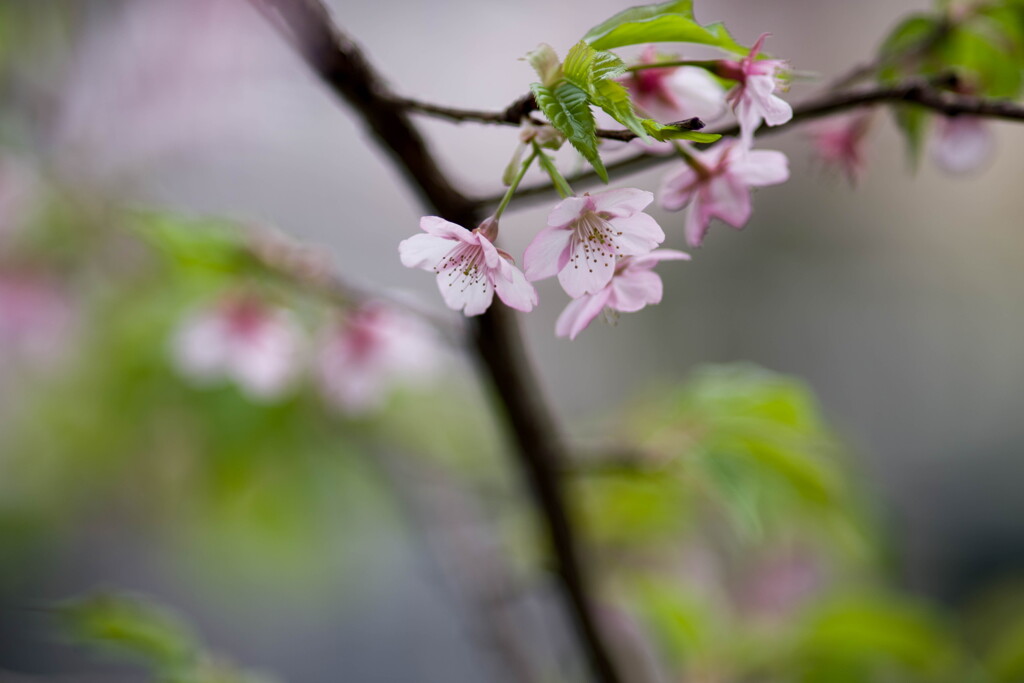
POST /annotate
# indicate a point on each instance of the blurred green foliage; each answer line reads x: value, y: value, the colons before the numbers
x: 973, y: 47
x: 133, y: 627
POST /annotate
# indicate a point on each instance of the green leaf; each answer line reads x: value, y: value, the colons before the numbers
x: 902, y: 636
x: 545, y: 62
x: 568, y: 109
x: 987, y: 62
x: 663, y: 132
x: 668, y: 22
x: 912, y: 120
x: 1005, y: 659
x: 593, y: 71
x: 585, y: 65
x: 132, y: 626
x: 209, y: 244
x: 909, y: 35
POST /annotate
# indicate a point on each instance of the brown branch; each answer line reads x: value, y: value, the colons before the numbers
x: 513, y: 116
x: 916, y: 92
x: 499, y: 350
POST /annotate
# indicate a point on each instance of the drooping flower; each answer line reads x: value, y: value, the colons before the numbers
x: 675, y: 93
x: 241, y: 339
x: 961, y: 143
x: 753, y: 98
x: 633, y: 285
x: 470, y: 269
x: 586, y: 235
x: 717, y: 182
x: 370, y: 350
x: 839, y: 142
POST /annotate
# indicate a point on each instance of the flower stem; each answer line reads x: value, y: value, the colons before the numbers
x: 515, y: 183
x: 691, y: 161
x: 559, y: 181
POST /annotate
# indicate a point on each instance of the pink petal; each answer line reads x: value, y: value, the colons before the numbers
x: 701, y: 95
x: 543, y: 256
x: 697, y: 222
x: 759, y: 167
x: 748, y: 116
x: 963, y: 144
x: 623, y: 202
x: 728, y: 200
x: 516, y: 292
x: 200, y: 348
x: 424, y: 251
x: 491, y: 257
x: 587, y: 271
x: 677, y: 188
x: 265, y: 365
x: 439, y: 227
x: 567, y: 211
x: 756, y: 49
x: 471, y: 293
x: 648, y: 261
x: 639, y: 234
x: 772, y: 108
x: 632, y: 290
x: 579, y: 313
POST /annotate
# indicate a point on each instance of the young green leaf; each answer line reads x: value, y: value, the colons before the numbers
x: 568, y: 109
x: 912, y: 121
x: 544, y: 61
x: 668, y: 22
x: 663, y: 132
x: 909, y: 37
x: 594, y: 72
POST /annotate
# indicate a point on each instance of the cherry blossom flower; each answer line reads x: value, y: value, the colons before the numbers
x: 675, y: 93
x: 839, y: 142
x: 961, y: 143
x: 633, y: 285
x: 470, y: 269
x: 585, y: 236
x: 244, y: 340
x: 752, y: 98
x: 717, y: 182
x: 370, y: 350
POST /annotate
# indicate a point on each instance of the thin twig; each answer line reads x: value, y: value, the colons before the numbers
x: 514, y: 114
x: 914, y: 92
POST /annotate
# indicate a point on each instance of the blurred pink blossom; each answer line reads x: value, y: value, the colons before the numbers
x: 717, y: 184
x: 961, y: 143
x: 633, y: 286
x: 244, y: 340
x: 36, y: 317
x: 675, y: 93
x: 585, y: 236
x: 782, y: 583
x: 369, y: 351
x: 839, y: 142
x: 470, y: 269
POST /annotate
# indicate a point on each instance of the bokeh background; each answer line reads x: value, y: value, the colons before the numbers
x: 898, y: 303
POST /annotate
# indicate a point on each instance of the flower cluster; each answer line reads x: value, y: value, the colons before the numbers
x: 597, y: 244
x: 265, y: 351
x: 603, y: 247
